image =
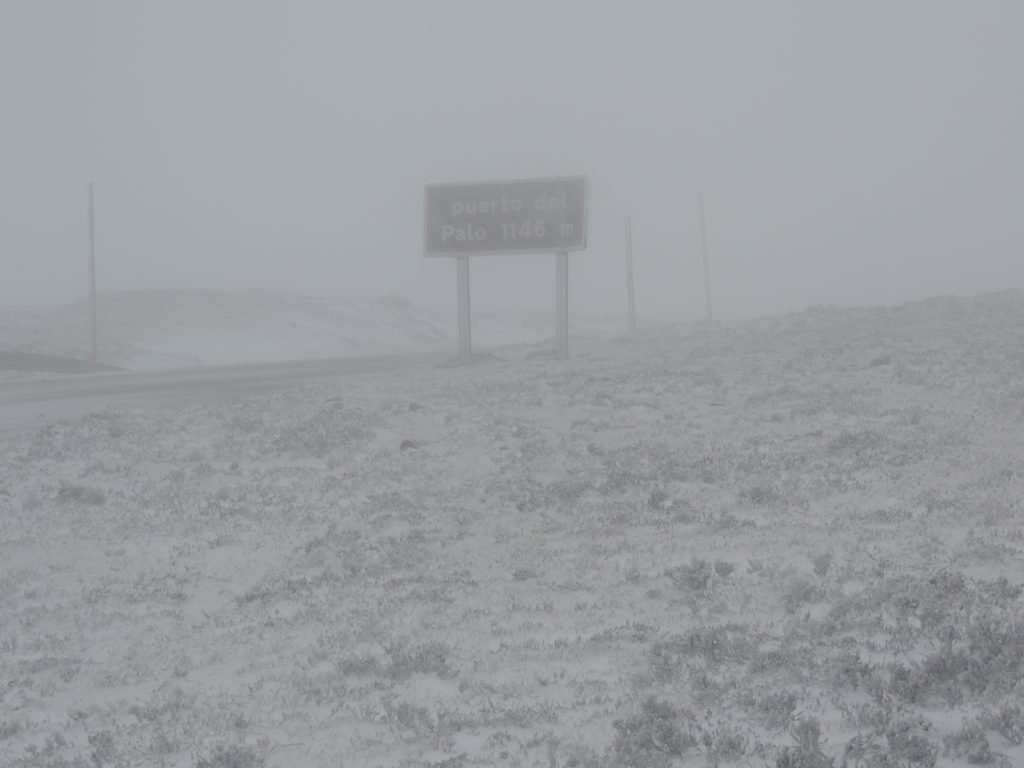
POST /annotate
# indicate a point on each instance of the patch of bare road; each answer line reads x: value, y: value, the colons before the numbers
x: 25, y: 403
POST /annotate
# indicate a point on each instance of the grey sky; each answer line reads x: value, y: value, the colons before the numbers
x: 849, y: 152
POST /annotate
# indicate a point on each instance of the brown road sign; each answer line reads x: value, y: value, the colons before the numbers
x: 527, y: 216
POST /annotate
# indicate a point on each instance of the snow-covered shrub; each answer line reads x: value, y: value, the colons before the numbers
x: 233, y: 756
x: 9, y: 729
x: 81, y: 494
x: 1008, y: 721
x: 809, y: 750
x: 971, y: 742
x: 762, y: 494
x: 908, y: 746
x: 695, y: 577
x: 801, y: 590
x: 671, y: 657
x: 724, y: 743
x: 774, y: 710
x: 822, y: 563
x: 655, y: 737
x: 325, y: 432
x: 430, y: 658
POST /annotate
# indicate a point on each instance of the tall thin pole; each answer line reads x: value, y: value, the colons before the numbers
x: 92, y: 272
x: 465, y: 341
x: 704, y: 248
x: 629, y: 274
x: 562, y: 305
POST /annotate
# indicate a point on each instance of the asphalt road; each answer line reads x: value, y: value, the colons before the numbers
x: 29, y: 361
x: 31, y: 403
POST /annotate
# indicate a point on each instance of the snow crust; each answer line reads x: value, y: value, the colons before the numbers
x: 753, y: 543
x: 155, y: 330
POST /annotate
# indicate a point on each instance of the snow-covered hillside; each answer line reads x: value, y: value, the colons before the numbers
x: 160, y: 329
x: 148, y: 330
x: 795, y: 542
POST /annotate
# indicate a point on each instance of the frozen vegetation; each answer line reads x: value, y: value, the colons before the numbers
x: 795, y: 542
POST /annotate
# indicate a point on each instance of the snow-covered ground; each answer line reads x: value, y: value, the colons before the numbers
x: 778, y: 542
x: 153, y: 330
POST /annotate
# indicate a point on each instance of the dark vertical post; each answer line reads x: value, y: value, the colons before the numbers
x: 629, y: 274
x: 562, y: 305
x: 92, y: 273
x: 704, y: 248
x: 465, y: 343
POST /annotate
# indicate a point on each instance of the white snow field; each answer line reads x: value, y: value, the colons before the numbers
x: 159, y: 330
x: 792, y: 542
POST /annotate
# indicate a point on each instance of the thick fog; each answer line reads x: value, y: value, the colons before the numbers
x: 848, y: 153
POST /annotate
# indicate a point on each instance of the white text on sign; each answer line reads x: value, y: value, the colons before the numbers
x: 506, y: 217
x: 525, y: 230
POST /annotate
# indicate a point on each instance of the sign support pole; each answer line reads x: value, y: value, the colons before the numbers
x: 92, y: 274
x: 704, y: 248
x: 629, y: 274
x: 465, y: 344
x: 562, y: 305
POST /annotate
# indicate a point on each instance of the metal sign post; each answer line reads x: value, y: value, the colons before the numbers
x: 704, y: 248
x: 630, y: 295
x: 465, y: 342
x: 562, y: 305
x: 92, y: 275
